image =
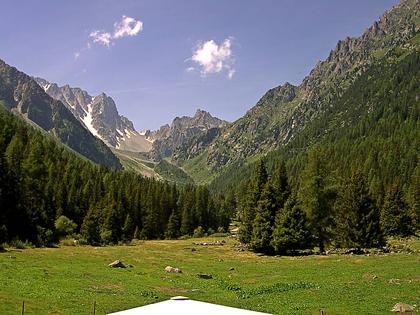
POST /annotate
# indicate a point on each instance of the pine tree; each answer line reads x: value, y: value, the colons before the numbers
x: 248, y: 210
x: 316, y: 196
x: 174, y: 225
x: 358, y: 221
x: 395, y: 215
x: 262, y: 226
x: 292, y: 229
x: 111, y: 229
x: 280, y: 184
x: 128, y: 229
x: 90, y: 228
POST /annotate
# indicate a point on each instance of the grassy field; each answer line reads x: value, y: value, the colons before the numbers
x: 68, y: 280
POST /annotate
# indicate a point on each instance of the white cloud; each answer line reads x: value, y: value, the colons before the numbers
x: 214, y: 58
x: 101, y: 37
x: 76, y: 55
x: 128, y: 26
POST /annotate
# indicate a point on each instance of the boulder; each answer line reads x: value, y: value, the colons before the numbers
x: 117, y: 264
x: 172, y: 269
x: 403, y: 308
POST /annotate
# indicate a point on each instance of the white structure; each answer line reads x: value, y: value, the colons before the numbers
x: 180, y: 305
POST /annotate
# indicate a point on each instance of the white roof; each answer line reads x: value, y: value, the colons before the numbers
x: 185, y: 306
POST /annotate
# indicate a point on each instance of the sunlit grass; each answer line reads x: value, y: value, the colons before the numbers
x: 68, y: 280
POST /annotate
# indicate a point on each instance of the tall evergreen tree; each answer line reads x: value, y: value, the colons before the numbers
x: 90, y: 227
x: 292, y: 230
x: 247, y: 212
x: 174, y: 225
x: 396, y: 219
x: 128, y: 229
x: 316, y: 196
x: 358, y: 220
x: 280, y: 184
x: 262, y: 226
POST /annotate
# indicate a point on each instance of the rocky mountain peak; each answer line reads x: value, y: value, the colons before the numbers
x: 354, y: 54
x: 171, y: 137
x: 99, y: 114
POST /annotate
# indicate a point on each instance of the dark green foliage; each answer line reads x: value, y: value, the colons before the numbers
x: 64, y: 226
x: 316, y: 196
x: 292, y: 229
x: 172, y: 173
x: 128, y: 228
x: 174, y: 225
x: 357, y: 216
x: 42, y: 180
x: 90, y: 227
x: 250, y: 201
x: 396, y: 219
x: 262, y: 226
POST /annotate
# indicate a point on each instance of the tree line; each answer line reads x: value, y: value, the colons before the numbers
x: 47, y: 191
x: 323, y: 209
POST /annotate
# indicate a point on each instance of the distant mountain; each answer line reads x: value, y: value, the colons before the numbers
x: 100, y: 116
x: 23, y: 96
x: 179, y: 140
x: 286, y: 111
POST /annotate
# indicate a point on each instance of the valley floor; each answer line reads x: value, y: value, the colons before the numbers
x: 68, y: 280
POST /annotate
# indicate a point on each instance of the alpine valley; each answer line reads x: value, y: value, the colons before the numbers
x: 331, y: 165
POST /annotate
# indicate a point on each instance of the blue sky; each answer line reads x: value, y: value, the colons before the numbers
x: 160, y: 59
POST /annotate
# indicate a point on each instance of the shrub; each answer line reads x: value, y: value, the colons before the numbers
x: 64, y: 226
x: 198, y: 232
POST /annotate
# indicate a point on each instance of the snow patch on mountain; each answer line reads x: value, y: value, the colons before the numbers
x: 87, y: 120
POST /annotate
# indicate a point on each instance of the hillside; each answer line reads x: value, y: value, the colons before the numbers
x: 99, y: 114
x: 22, y: 95
x: 287, y: 111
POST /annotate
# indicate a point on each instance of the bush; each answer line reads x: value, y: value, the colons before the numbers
x: 16, y: 243
x: 210, y: 231
x: 106, y: 236
x: 64, y: 226
x: 198, y: 232
x: 68, y: 241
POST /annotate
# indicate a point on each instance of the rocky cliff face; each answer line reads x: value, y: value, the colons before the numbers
x: 23, y: 96
x: 178, y: 137
x: 100, y: 116
x: 285, y: 110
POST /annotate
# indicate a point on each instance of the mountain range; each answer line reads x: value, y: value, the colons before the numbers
x: 23, y: 96
x: 205, y: 149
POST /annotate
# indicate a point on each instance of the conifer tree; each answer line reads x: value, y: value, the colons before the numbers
x: 128, y: 229
x: 253, y: 194
x: 316, y: 196
x: 262, y: 226
x: 90, y: 227
x: 395, y: 215
x: 292, y: 229
x: 174, y: 225
x: 279, y: 182
x: 358, y: 220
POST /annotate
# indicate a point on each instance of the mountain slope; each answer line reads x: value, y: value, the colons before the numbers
x: 99, y: 114
x: 176, y: 140
x: 285, y: 111
x: 23, y: 96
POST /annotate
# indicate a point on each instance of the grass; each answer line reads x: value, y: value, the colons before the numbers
x: 67, y: 280
x: 134, y: 162
x: 198, y: 169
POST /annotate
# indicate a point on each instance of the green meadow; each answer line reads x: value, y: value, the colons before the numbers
x: 67, y: 280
